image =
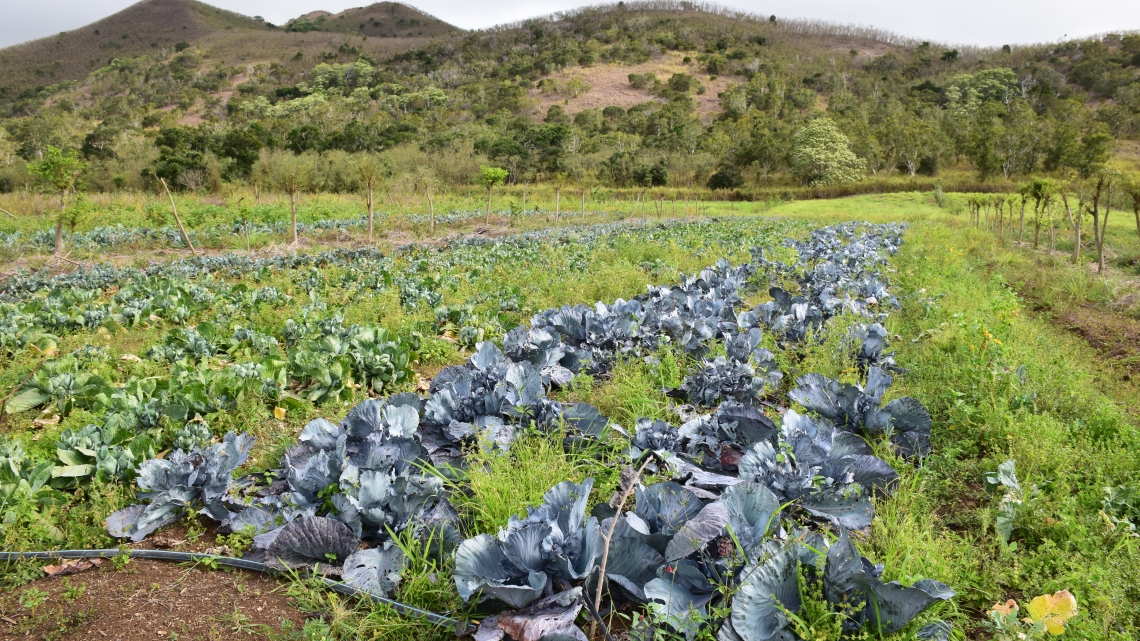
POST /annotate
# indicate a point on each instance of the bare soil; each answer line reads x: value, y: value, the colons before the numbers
x: 609, y: 85
x: 1114, y: 335
x: 151, y: 599
x: 148, y: 600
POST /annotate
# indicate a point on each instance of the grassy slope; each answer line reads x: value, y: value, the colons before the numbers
x: 387, y: 20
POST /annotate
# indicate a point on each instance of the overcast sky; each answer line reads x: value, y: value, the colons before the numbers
x: 980, y: 22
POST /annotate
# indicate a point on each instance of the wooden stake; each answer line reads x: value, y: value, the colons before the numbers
x: 9, y: 213
x: 181, y: 229
x: 609, y: 535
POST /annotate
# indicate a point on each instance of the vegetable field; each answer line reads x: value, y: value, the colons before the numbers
x: 820, y: 420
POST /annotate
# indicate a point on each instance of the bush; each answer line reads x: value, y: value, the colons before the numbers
x: 822, y: 157
x: 642, y: 80
x: 681, y: 82
x: 726, y: 178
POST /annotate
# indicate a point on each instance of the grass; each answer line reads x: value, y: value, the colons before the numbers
x: 498, y: 486
x: 964, y: 334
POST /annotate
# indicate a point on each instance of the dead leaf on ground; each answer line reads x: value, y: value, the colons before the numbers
x: 71, y: 566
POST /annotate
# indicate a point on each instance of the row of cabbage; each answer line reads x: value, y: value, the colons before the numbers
x: 734, y: 525
x: 213, y: 365
x: 469, y: 253
x: 112, y: 236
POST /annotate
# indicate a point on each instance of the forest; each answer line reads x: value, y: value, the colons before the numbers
x: 794, y: 108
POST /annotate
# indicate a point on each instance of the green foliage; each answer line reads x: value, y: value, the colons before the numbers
x: 821, y: 156
x: 489, y: 177
x: 58, y: 169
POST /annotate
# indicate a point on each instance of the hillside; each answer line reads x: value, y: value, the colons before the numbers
x: 380, y: 20
x: 155, y: 27
x: 141, y: 29
x: 633, y: 94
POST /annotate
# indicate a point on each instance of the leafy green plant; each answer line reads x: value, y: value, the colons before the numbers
x: 32, y: 598
x: 1122, y: 505
x: 1017, y: 507
x: 63, y: 383
x: 72, y: 592
x: 105, y: 453
x: 24, y: 486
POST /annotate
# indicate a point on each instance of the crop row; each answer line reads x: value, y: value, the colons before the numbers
x: 721, y: 544
x: 113, y: 236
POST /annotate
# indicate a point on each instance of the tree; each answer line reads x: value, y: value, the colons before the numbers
x: 1101, y: 192
x: 243, y: 147
x: 919, y: 138
x: 1074, y: 223
x: 1131, y: 188
x: 59, y: 170
x: 822, y: 157
x: 292, y: 175
x: 180, y: 150
x: 1016, y: 141
x: 726, y: 177
x: 371, y: 171
x: 981, y: 147
x: 1096, y: 147
x: 489, y: 177
x: 1041, y: 191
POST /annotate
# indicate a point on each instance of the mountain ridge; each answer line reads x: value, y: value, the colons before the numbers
x: 150, y: 26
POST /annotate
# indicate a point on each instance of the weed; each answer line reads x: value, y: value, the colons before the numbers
x: 72, y: 592
x: 240, y: 623
x: 32, y: 598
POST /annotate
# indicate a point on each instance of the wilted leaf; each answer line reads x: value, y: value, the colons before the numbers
x: 1053, y: 610
x: 376, y: 570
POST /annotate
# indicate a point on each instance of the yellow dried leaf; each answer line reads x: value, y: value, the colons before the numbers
x: 279, y: 413
x: 1053, y: 610
x: 1005, y: 608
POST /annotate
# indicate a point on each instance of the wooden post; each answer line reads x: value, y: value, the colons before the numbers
x: 431, y: 216
x: 370, y: 211
x: 181, y: 229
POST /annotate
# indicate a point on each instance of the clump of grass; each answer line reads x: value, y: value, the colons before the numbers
x: 502, y: 484
x: 637, y: 388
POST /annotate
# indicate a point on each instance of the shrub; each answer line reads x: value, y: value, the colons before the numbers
x: 726, y: 178
x: 822, y: 157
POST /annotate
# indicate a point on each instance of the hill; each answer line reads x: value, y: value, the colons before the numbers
x: 633, y: 94
x: 151, y: 27
x: 143, y: 28
x: 380, y: 20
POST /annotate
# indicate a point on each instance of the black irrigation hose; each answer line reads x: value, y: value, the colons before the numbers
x: 596, y: 618
x: 461, y: 627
